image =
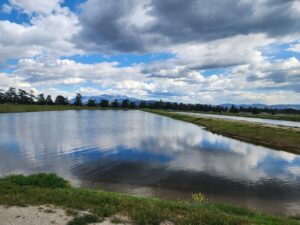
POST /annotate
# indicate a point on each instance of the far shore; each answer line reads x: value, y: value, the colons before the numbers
x: 276, y: 137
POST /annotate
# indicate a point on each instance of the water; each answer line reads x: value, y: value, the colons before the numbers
x: 145, y: 154
x: 248, y: 119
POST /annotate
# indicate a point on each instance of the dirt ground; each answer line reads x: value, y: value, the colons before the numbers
x: 37, y: 215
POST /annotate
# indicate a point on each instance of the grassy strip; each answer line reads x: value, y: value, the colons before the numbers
x: 286, y: 139
x: 30, y: 190
x: 6, y: 108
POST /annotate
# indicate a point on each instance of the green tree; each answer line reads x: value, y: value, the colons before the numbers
x: 132, y: 105
x: 78, y: 100
x: 23, y: 97
x: 233, y: 109
x: 143, y: 105
x: 2, y: 97
x: 125, y: 104
x: 49, y: 100
x: 115, y: 104
x: 91, y: 103
x: 255, y: 110
x: 104, y: 103
x: 41, y: 99
x: 11, y: 96
x: 60, y: 100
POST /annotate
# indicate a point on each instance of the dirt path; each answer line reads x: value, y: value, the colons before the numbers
x: 37, y: 215
x: 33, y: 215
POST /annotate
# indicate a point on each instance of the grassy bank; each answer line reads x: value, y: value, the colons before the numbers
x: 45, y: 189
x: 6, y: 108
x: 286, y: 139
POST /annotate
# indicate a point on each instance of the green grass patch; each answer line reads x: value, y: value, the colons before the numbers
x: 14, y: 108
x: 141, y: 211
x: 84, y: 220
x: 286, y: 139
x: 38, y: 180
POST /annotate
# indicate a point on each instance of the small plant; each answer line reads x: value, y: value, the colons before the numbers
x: 198, y: 197
x: 83, y: 220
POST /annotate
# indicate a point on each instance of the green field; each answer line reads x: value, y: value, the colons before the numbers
x: 7, y: 108
x: 286, y: 139
x: 43, y: 189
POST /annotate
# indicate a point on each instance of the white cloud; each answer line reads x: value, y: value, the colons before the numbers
x: 34, y: 6
x: 247, y: 74
x: 46, y: 35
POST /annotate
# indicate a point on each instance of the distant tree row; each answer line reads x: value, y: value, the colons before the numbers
x: 20, y: 96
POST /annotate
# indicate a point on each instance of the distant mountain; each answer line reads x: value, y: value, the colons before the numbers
x: 260, y: 106
x: 110, y: 98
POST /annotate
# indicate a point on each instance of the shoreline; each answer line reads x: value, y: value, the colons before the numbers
x: 51, y: 190
x: 15, y: 108
x: 276, y: 137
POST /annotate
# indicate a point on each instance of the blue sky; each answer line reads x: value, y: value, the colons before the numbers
x: 175, y: 51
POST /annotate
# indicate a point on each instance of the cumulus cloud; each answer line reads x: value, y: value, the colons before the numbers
x: 46, y: 35
x: 156, y: 24
x: 237, y: 37
x: 32, y: 6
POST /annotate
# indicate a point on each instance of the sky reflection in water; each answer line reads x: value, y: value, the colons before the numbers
x: 133, y: 151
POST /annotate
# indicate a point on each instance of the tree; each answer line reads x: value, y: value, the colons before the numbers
x: 23, y: 97
x: 143, y: 105
x: 125, y: 104
x: 255, y: 110
x: 78, y: 100
x: 2, y: 97
x: 60, y: 100
x: 233, y: 109
x: 91, y: 103
x: 41, y: 99
x: 31, y: 96
x: 104, y: 103
x: 11, y: 96
x: 115, y: 104
x: 49, y: 100
x: 132, y: 105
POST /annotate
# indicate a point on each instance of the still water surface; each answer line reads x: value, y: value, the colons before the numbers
x: 145, y: 154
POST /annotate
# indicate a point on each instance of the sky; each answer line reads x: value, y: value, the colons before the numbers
x: 195, y: 51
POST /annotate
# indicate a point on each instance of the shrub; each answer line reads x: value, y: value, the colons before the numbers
x: 41, y: 180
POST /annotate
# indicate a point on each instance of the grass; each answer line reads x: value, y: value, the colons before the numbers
x: 11, y: 108
x: 286, y: 139
x: 84, y: 220
x: 141, y: 211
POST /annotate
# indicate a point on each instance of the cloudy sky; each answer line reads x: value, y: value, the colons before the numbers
x: 207, y: 51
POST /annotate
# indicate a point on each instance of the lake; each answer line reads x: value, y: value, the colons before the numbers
x: 146, y: 154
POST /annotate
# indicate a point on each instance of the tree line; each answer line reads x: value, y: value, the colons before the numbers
x: 20, y: 96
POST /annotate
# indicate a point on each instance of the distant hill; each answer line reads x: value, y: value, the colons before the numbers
x: 120, y: 98
x: 110, y: 98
